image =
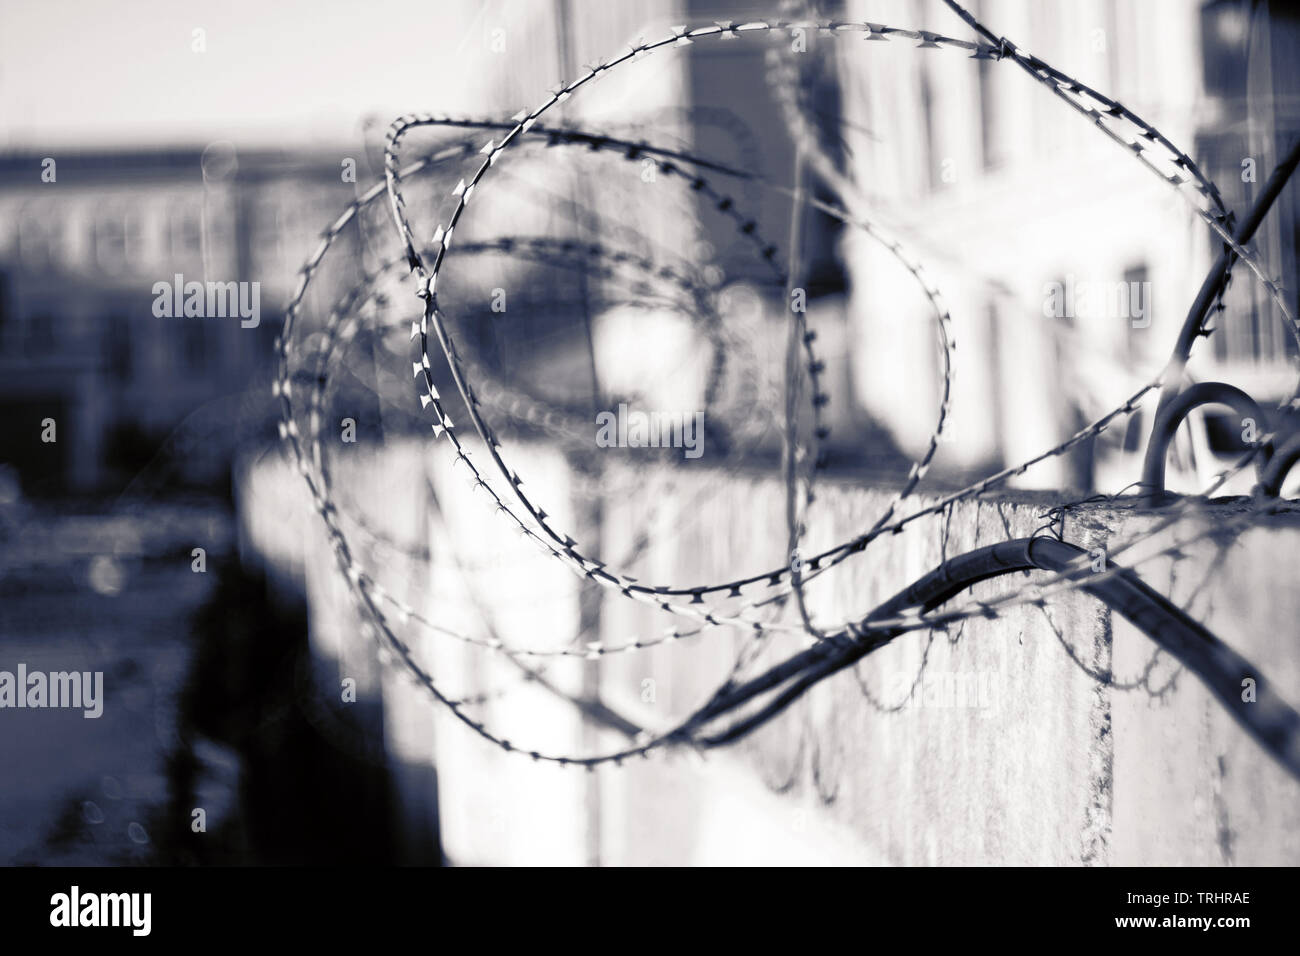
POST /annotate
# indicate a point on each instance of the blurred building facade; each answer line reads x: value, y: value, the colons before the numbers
x: 997, y: 187
x: 84, y: 236
x: 1006, y: 194
x: 80, y: 255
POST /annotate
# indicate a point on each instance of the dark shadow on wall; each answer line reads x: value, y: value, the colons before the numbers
x: 314, y: 787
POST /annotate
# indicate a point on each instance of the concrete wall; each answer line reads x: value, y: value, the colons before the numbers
x: 1009, y: 751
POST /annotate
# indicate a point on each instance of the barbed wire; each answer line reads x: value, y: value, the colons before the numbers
x: 478, y: 388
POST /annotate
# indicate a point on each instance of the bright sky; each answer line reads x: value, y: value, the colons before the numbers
x: 95, y: 72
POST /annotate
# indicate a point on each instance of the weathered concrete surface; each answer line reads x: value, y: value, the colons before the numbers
x: 1012, y: 748
x: 1191, y: 786
x: 1013, y: 773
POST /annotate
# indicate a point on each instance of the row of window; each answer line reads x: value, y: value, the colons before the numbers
x: 48, y: 236
x: 44, y: 237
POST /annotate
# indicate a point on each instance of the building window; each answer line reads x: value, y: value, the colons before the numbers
x: 110, y: 241
x: 135, y: 242
x: 992, y: 129
x: 1225, y: 30
x: 933, y: 173
x: 186, y: 232
x: 39, y: 236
